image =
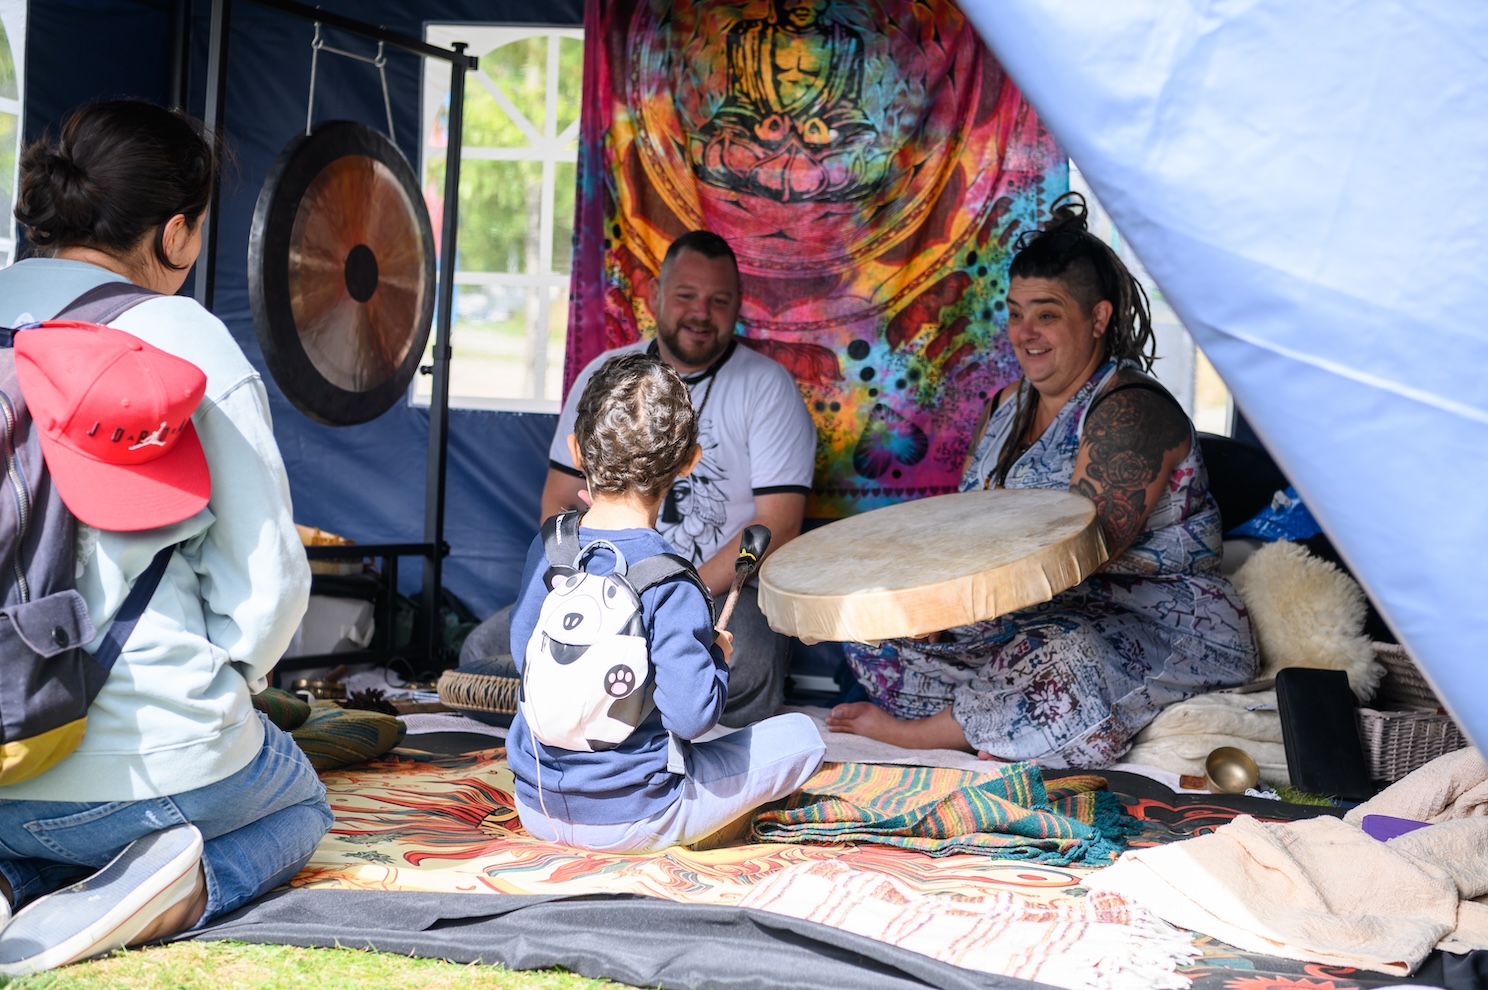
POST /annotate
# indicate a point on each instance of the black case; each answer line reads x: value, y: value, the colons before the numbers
x: 1321, y: 733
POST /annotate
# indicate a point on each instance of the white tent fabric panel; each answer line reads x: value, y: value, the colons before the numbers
x: 1307, y: 184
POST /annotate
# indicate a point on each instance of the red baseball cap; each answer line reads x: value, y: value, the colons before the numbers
x: 114, y: 416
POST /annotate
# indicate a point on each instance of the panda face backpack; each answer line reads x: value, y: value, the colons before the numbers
x: 587, y: 679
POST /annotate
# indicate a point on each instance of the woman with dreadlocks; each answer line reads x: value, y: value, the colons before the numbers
x: 1070, y: 682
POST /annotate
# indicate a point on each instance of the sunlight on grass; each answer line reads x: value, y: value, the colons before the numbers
x: 212, y: 965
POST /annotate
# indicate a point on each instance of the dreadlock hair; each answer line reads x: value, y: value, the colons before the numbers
x: 1064, y: 250
x: 635, y: 427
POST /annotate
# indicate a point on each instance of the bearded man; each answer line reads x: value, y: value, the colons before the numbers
x: 759, y: 450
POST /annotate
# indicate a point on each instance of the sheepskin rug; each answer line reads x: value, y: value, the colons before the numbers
x: 1306, y: 612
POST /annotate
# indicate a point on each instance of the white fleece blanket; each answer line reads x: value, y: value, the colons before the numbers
x: 1322, y: 890
x: 1184, y: 734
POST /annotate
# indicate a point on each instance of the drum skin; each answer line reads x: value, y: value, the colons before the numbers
x: 341, y: 273
x: 932, y: 564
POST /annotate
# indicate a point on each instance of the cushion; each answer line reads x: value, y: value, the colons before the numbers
x: 287, y: 711
x: 333, y: 737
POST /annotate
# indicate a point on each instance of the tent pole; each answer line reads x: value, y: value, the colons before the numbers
x: 206, y: 267
x: 180, y: 84
x: 443, y: 312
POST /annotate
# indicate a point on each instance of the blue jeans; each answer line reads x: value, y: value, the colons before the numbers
x: 727, y: 777
x: 260, y: 826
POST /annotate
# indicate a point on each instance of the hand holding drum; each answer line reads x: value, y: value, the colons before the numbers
x: 753, y: 543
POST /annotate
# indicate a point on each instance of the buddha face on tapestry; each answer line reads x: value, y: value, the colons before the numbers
x: 791, y: 126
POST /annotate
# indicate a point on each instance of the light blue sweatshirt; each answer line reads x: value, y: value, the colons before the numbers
x: 175, y: 713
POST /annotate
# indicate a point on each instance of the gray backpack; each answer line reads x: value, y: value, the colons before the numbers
x: 49, y: 680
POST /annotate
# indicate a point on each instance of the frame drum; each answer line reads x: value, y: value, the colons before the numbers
x: 932, y: 564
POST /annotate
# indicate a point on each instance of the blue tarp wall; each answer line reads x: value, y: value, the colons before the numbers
x: 365, y: 482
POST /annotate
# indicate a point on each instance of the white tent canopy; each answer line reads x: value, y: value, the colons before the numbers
x: 1308, y: 183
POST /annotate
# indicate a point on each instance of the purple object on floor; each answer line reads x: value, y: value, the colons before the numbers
x: 1385, y: 827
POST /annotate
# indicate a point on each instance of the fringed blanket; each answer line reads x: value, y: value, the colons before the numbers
x: 1095, y: 941
x: 1007, y: 813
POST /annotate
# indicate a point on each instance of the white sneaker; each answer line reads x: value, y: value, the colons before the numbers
x: 107, y: 910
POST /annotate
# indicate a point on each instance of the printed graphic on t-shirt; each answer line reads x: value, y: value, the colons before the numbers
x: 696, y: 508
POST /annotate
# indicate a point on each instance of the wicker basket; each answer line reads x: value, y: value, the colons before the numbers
x: 489, y: 693
x: 1404, y: 687
x: 1411, y: 728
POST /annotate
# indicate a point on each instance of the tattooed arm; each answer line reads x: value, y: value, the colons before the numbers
x: 1133, y: 439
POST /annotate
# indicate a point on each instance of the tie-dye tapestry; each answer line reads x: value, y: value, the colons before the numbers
x: 869, y: 162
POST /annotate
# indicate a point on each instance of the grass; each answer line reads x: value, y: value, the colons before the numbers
x: 241, y: 966
x: 1292, y: 795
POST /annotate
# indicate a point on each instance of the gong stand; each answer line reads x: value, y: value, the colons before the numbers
x: 426, y: 646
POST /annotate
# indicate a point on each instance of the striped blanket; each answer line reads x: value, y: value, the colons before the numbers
x: 1008, y: 813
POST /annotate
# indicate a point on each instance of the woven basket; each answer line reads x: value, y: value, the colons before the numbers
x: 1411, y: 729
x: 1404, y: 687
x: 1395, y: 743
x: 479, y: 692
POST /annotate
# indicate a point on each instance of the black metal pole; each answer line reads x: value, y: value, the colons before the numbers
x: 206, y: 266
x: 375, y: 32
x: 439, y: 401
x: 180, y: 83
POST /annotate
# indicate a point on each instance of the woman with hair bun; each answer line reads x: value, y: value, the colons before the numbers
x: 181, y: 802
x: 1070, y: 682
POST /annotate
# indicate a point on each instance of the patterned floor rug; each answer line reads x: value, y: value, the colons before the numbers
x: 422, y: 820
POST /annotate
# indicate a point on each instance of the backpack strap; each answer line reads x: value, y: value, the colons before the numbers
x: 134, y: 606
x: 105, y: 303
x: 646, y: 574
x: 100, y: 304
x: 560, y: 536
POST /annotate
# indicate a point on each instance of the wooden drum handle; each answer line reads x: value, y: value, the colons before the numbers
x: 753, y: 543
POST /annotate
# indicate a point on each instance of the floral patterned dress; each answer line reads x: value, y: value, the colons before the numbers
x: 1071, y: 681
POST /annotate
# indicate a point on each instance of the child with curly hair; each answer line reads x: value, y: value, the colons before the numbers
x: 636, y: 433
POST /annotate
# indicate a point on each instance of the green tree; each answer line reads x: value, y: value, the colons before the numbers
x: 500, y: 200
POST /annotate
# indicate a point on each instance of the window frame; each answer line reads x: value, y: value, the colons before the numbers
x: 13, y: 19
x: 549, y: 147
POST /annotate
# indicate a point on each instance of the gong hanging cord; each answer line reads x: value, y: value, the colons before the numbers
x: 379, y: 60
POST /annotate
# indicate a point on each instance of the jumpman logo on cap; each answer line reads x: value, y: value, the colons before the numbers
x: 156, y: 439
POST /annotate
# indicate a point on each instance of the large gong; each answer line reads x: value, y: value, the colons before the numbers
x: 341, y: 273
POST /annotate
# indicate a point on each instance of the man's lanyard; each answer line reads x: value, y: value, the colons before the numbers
x: 706, y: 375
